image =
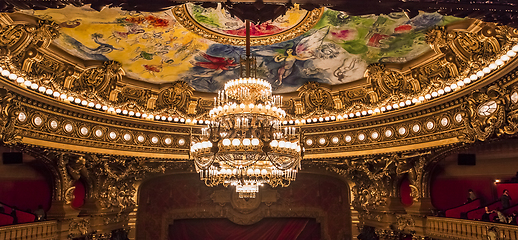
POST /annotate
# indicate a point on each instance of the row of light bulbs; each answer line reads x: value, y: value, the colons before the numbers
x: 494, y: 65
x: 64, y: 97
x: 251, y: 107
x: 247, y: 142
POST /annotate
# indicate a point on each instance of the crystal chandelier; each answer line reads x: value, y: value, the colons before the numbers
x: 245, y: 144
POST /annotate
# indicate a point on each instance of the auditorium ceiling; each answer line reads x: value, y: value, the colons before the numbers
x: 322, y: 45
x: 134, y: 80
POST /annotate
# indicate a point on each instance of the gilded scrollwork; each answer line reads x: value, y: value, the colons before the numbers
x: 100, y: 80
x: 316, y: 99
x: 485, y: 113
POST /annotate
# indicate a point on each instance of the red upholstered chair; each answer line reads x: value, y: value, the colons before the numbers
x: 476, y: 214
x: 458, y: 211
x: 6, y: 219
x: 25, y: 217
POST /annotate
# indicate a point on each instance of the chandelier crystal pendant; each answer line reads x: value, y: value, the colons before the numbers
x: 245, y: 144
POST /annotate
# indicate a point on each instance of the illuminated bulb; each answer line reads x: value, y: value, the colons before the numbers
x: 340, y: 117
x: 492, y: 66
x: 309, y: 120
x: 290, y: 122
x: 327, y: 118
x: 435, y: 94
x: 144, y: 115
x: 187, y: 121
x: 98, y: 106
x: 56, y: 94
x: 383, y: 109
x: 486, y: 70
x: 351, y: 114
x: 473, y: 77
x: 389, y: 107
x: 377, y: 110
x: 370, y: 112
x: 402, y: 104
x: 282, y: 144
x: 246, y: 142
x: 20, y: 80
x: 84, y: 103
x: 27, y: 83
x: 504, y: 58
x: 358, y: 114
x: 499, y: 62
x: 182, y: 119
x: 480, y: 74
x: 364, y: 113
x: 515, y: 48
x: 138, y: 114
x: 421, y: 98
x: 408, y: 102
x: 105, y: 108
x: 453, y: 86
x: 176, y: 119
x: 447, y: 89
x: 427, y: 96
x: 255, y: 142
x: 395, y: 105
x: 5, y: 73
x: 70, y: 99
x: 13, y: 76
x: 125, y: 112
x: 242, y: 106
x: 333, y: 118
x: 63, y: 96
x: 236, y: 142
x: 118, y: 110
x: 251, y: 105
x: 467, y: 80
x: 151, y: 116
x: 170, y: 119
x: 111, y: 109
x: 315, y: 119
x: 511, y: 53
x: 131, y: 113
x: 226, y: 142
x: 460, y: 83
x: 440, y: 92
x: 34, y: 86
x: 42, y: 89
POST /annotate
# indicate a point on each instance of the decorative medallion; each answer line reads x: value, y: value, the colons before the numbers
x: 219, y: 26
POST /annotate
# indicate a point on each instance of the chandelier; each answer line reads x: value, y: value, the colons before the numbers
x: 245, y: 143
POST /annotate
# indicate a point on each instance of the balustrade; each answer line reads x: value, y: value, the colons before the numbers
x: 450, y: 228
x: 36, y: 230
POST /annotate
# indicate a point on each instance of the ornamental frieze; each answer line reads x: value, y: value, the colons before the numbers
x: 459, y: 51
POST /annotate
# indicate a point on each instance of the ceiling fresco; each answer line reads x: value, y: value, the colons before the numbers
x: 154, y: 47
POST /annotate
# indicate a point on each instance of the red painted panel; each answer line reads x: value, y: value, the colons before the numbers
x: 405, y: 193
x: 25, y: 194
x: 79, y: 195
x: 451, y: 192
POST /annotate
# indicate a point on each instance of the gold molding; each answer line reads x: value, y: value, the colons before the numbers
x: 54, y: 145
x: 181, y: 14
x: 412, y: 147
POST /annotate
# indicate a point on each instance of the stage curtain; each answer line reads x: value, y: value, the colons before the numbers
x: 267, y: 229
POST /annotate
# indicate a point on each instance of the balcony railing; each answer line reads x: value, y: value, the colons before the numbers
x: 460, y: 229
x: 37, y: 230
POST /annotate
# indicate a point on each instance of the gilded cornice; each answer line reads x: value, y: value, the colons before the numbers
x: 454, y: 57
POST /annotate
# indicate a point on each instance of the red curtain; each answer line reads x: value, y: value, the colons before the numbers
x: 266, y: 229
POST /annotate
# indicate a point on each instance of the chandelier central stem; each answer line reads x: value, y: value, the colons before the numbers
x: 248, y: 59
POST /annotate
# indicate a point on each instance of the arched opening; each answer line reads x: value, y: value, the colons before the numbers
x: 312, y: 200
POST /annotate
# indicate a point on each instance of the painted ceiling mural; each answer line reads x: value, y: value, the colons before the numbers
x: 154, y: 47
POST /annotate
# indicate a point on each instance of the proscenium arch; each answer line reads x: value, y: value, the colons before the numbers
x: 208, y: 208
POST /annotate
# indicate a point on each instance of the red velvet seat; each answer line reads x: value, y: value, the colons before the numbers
x: 25, y: 217
x: 6, y: 219
x: 456, y: 212
x: 476, y: 214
